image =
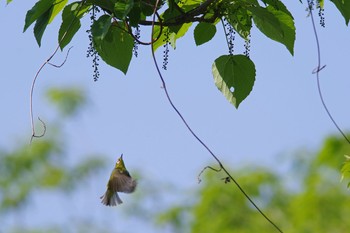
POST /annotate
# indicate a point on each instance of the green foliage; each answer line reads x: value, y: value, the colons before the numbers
x: 115, y: 46
x: 41, y: 165
x: 112, y: 32
x: 275, y: 24
x: 344, y: 8
x: 71, y: 16
x: 68, y: 100
x: 234, y: 76
x: 43, y: 12
x: 345, y: 170
x: 315, y: 202
x: 204, y: 32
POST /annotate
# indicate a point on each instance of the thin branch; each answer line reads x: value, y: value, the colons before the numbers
x: 42, y: 134
x: 59, y: 66
x: 153, y: 40
x: 180, y: 21
x: 205, y: 168
x: 39, y: 71
x: 32, y: 91
x: 317, y: 72
x: 190, y: 129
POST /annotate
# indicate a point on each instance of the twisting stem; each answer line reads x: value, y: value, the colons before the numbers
x: 39, y: 71
x: 193, y: 133
x: 317, y: 72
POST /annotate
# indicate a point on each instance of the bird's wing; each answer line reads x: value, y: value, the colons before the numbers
x: 123, y: 183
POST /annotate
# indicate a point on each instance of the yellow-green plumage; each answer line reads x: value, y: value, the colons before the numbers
x: 120, y: 181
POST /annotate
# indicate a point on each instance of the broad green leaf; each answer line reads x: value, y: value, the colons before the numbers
x: 71, y: 16
x: 57, y: 7
x: 276, y: 25
x: 122, y: 8
x: 344, y: 8
x: 234, y: 76
x: 40, y: 8
x: 40, y: 25
x: 115, y: 48
x: 204, y: 32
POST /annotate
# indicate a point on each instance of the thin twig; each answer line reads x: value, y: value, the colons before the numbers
x: 317, y: 72
x: 205, y: 168
x: 39, y: 71
x: 153, y: 40
x: 59, y: 66
x: 190, y: 129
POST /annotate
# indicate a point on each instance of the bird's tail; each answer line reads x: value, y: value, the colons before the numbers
x: 111, y: 198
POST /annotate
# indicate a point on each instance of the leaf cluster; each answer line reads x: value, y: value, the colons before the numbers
x: 113, y: 38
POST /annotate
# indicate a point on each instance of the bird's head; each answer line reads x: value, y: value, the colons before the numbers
x: 120, y: 164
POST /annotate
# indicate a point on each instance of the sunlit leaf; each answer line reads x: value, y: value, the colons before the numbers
x: 71, y: 16
x: 122, y: 8
x: 37, y: 10
x: 57, y: 8
x: 234, y: 76
x: 344, y: 8
x: 275, y: 24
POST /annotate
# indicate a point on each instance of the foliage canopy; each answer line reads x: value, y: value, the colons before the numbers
x: 116, y: 25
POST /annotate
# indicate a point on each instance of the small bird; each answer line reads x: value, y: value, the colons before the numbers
x: 120, y: 181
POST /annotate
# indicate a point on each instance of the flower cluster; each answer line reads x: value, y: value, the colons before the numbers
x: 166, y: 49
x: 91, y: 51
x: 136, y: 43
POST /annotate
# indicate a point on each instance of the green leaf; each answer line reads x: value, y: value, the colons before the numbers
x: 278, y: 5
x: 101, y: 27
x: 241, y: 21
x: 344, y: 8
x: 71, y: 16
x: 275, y: 24
x: 68, y: 101
x: 57, y: 7
x: 204, y: 32
x: 345, y: 170
x: 116, y: 47
x: 174, y: 34
x: 234, y: 76
x: 40, y: 25
x: 134, y: 16
x: 122, y: 8
x: 37, y: 10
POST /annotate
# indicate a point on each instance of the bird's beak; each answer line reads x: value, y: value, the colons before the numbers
x: 121, y: 156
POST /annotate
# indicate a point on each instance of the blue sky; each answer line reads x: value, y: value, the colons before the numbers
x: 130, y: 114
